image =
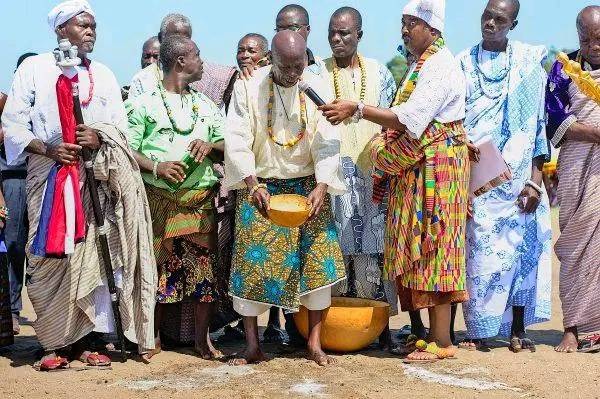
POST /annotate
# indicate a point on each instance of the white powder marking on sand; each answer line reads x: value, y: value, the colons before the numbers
x: 309, y: 388
x: 191, y: 380
x: 472, y: 370
x: 461, y: 382
x: 225, y: 372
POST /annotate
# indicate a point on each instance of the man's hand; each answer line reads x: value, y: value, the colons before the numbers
x: 316, y: 199
x: 470, y: 208
x: 173, y: 172
x: 338, y: 111
x: 88, y: 137
x: 474, y: 153
x: 64, y: 153
x: 261, y: 200
x: 528, y: 200
x: 199, y: 150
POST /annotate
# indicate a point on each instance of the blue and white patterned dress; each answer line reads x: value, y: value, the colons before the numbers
x: 360, y: 222
x: 508, y: 251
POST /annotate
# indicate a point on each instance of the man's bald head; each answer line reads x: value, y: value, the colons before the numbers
x: 497, y: 20
x: 297, y: 11
x: 348, y: 12
x: 588, y: 28
x: 589, y: 18
x: 288, y: 44
x: 288, y: 51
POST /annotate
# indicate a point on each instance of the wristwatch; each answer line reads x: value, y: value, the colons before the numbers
x: 358, y: 115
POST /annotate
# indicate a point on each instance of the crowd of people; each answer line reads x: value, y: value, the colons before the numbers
x: 187, y: 156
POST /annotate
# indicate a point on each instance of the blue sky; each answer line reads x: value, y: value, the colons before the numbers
x: 123, y: 25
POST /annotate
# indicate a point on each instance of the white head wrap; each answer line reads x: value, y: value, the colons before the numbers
x: 67, y: 10
x: 431, y: 11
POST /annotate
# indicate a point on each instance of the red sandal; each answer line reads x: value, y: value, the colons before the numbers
x: 54, y: 364
x: 94, y: 359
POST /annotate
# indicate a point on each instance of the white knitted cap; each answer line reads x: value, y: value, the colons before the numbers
x: 431, y: 11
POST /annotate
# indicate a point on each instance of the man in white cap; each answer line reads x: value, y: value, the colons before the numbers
x: 66, y: 284
x: 422, y: 159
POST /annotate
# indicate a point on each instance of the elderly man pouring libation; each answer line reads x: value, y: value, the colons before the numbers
x: 278, y: 143
x: 68, y: 283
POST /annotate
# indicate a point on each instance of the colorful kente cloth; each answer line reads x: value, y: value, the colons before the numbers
x: 428, y: 173
x: 508, y: 251
x: 184, y: 238
x: 428, y: 197
x: 578, y: 247
x: 275, y: 265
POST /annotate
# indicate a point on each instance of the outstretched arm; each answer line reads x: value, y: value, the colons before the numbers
x: 340, y: 110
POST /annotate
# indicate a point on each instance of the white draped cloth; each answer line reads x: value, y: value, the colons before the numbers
x: 31, y: 111
x: 249, y: 151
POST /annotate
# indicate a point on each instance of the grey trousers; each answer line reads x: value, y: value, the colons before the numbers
x: 15, y: 235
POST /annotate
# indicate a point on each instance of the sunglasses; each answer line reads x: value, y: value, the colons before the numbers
x: 293, y: 28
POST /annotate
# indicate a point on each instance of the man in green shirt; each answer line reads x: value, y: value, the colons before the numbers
x: 175, y: 131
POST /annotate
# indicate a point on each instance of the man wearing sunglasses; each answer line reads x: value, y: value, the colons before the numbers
x: 295, y: 18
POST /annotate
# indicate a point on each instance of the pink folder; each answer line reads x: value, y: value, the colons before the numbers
x: 491, y: 171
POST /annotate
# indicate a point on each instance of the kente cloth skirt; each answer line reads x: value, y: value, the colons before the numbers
x: 411, y: 300
x: 275, y: 265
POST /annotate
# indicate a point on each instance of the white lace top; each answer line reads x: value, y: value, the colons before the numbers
x: 439, y: 95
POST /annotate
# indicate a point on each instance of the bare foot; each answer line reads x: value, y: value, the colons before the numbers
x: 569, y: 342
x: 251, y: 356
x: 153, y: 352
x: 474, y: 345
x: 438, y: 354
x: 318, y: 356
x: 422, y: 356
x: 207, y: 350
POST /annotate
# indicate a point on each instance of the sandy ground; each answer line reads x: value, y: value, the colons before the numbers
x: 370, y: 374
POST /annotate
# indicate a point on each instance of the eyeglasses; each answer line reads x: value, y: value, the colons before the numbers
x: 293, y: 28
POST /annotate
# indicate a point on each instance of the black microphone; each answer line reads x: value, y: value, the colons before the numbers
x: 314, y: 97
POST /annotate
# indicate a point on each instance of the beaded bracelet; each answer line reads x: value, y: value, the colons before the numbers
x: 155, y: 170
x: 256, y: 187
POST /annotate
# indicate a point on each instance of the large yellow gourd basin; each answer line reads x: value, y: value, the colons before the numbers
x: 288, y: 210
x: 349, y: 325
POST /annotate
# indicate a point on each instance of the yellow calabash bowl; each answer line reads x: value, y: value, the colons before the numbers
x: 349, y: 325
x: 288, y: 210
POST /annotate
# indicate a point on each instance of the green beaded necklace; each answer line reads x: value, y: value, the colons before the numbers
x: 195, y: 107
